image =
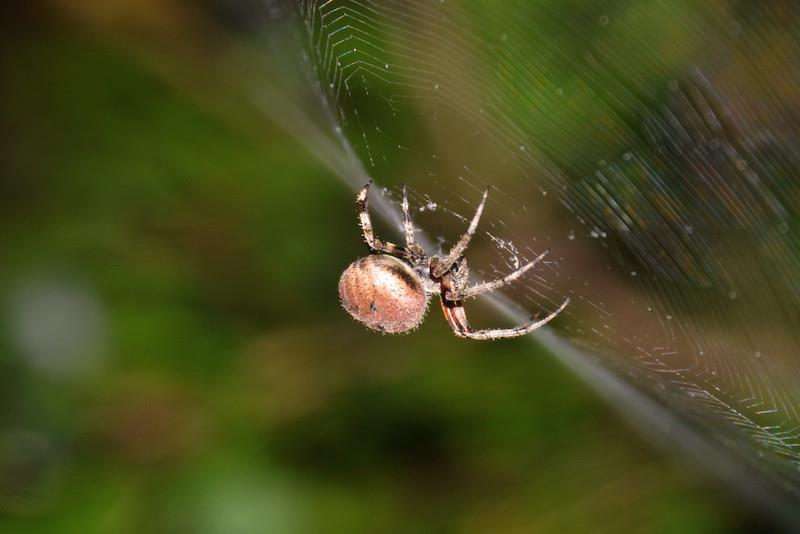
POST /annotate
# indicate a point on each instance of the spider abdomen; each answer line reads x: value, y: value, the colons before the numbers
x: 383, y: 293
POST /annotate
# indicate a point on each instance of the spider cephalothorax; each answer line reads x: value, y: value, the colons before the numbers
x: 389, y: 290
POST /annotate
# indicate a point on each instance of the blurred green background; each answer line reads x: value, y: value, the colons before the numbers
x: 174, y: 358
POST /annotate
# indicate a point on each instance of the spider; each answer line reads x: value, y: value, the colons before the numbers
x: 390, y: 289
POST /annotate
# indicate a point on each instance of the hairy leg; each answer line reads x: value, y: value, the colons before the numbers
x: 458, y: 249
x: 485, y: 287
x: 408, y: 228
x: 365, y: 223
x: 457, y: 319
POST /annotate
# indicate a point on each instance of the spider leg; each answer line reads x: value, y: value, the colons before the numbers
x: 365, y: 223
x: 457, y: 319
x: 458, y: 249
x: 408, y: 227
x: 485, y: 287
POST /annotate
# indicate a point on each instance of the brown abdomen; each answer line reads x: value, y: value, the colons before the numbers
x: 383, y: 293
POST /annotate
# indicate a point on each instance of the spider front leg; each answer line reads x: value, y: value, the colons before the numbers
x: 457, y: 319
x: 456, y: 316
x: 458, y: 249
x: 485, y: 287
x: 366, y: 228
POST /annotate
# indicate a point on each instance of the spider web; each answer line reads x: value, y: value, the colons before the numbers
x: 652, y: 146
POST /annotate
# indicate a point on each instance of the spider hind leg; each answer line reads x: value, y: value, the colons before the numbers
x: 408, y: 228
x: 365, y: 222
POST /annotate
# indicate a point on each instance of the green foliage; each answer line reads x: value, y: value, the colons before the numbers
x: 231, y: 394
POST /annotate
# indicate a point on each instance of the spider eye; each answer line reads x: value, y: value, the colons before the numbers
x: 454, y: 268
